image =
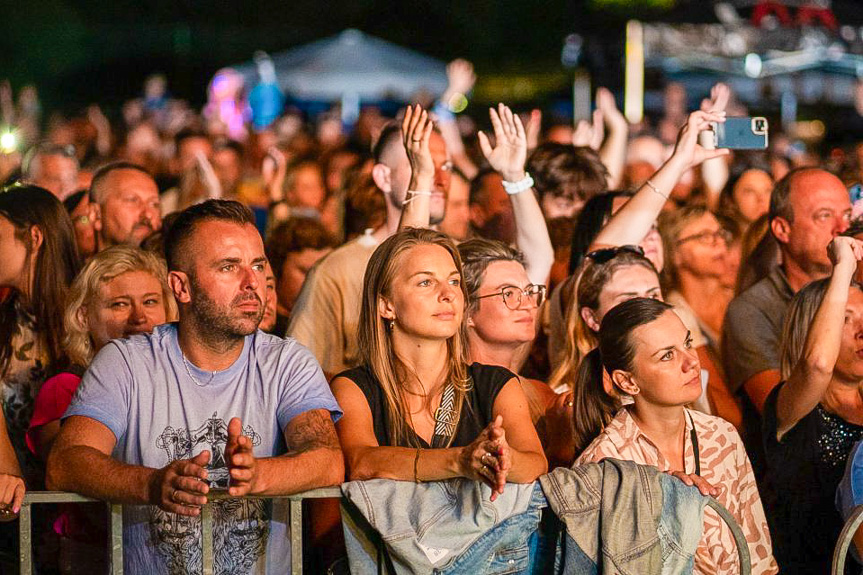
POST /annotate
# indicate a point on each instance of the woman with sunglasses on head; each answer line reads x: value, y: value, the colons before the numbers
x: 501, y: 319
x: 416, y: 410
x: 696, y: 255
x: 646, y: 352
x: 609, y: 276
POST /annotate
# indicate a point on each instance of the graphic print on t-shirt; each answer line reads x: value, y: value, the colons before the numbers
x: 240, y: 526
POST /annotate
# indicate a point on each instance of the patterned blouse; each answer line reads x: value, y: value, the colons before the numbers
x: 724, y: 465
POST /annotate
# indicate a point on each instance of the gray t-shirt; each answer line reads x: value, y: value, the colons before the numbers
x: 752, y: 331
x: 141, y: 389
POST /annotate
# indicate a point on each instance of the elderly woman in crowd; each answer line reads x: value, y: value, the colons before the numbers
x: 416, y: 410
x: 647, y: 353
x: 812, y: 419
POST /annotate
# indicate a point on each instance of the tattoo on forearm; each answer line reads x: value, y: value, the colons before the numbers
x: 311, y: 430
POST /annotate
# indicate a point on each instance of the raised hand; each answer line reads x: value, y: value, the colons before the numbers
x: 719, y: 95
x: 845, y: 252
x: 461, y: 77
x: 510, y: 151
x: 613, y: 118
x: 688, y: 153
x: 180, y: 486
x: 273, y: 171
x: 416, y: 133
x: 533, y: 128
x: 589, y: 134
x: 240, y: 458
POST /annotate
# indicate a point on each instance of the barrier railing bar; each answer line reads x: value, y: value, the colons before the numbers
x: 840, y: 552
x: 295, y: 512
x: 25, y: 551
x: 115, y: 515
x: 207, y: 538
x: 116, y: 519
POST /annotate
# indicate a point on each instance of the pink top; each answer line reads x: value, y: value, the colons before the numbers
x: 724, y: 465
x: 51, y: 403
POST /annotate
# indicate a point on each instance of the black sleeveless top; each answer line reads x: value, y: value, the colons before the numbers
x: 476, y: 411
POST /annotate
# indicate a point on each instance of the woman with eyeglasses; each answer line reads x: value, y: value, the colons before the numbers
x: 696, y: 255
x: 646, y: 352
x: 416, y: 410
x: 501, y: 322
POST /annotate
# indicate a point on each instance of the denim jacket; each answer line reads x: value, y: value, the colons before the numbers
x: 621, y: 517
x: 441, y: 527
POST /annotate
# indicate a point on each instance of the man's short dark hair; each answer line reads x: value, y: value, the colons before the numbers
x: 392, y: 132
x: 96, y: 194
x: 184, y: 226
x: 564, y: 170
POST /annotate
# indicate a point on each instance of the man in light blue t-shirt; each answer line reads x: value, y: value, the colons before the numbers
x: 204, y: 404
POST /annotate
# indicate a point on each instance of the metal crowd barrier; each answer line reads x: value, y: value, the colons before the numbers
x: 295, y: 511
x: 115, y: 515
x: 840, y: 552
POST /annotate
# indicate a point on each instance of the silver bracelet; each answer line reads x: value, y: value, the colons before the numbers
x: 513, y: 188
x: 650, y: 185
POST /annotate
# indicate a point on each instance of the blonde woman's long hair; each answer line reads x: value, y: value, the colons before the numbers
x: 101, y: 269
x: 580, y: 339
x: 375, y: 339
x: 795, y: 329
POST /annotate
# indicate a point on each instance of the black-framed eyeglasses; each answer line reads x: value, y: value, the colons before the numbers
x: 513, y: 296
x: 708, y: 238
x: 605, y: 254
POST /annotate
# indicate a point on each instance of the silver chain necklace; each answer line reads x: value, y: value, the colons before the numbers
x: 189, y: 371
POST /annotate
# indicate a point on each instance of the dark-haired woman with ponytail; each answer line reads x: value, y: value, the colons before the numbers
x: 647, y: 352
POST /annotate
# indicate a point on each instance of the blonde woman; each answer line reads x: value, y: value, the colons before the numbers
x: 120, y: 292
x: 415, y: 410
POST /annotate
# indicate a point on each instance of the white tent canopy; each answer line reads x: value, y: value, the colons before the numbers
x: 355, y: 66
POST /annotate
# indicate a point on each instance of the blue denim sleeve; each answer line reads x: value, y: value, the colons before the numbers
x: 303, y: 386
x: 103, y: 394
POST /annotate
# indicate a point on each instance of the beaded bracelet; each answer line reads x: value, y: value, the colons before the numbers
x: 513, y: 188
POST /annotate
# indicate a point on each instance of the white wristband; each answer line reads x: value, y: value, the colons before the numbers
x: 513, y: 188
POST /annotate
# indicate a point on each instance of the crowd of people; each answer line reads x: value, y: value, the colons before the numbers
x: 190, y: 306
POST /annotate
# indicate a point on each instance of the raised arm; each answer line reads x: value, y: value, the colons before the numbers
x: 461, y: 79
x: 613, y: 149
x: 633, y: 221
x: 416, y: 133
x: 812, y: 374
x: 508, y: 158
x: 714, y: 172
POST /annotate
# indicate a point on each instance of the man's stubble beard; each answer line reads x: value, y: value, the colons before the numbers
x: 216, y: 322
